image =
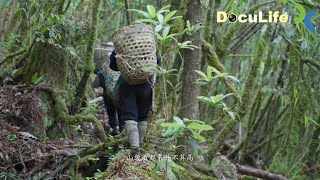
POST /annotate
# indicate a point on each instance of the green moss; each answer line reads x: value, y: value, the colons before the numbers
x: 177, y: 26
x: 48, y: 61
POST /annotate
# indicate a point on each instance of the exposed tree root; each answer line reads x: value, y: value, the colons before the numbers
x: 73, y: 163
x: 103, y: 146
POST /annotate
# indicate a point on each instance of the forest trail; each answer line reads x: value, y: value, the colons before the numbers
x: 27, y: 152
x: 31, y: 155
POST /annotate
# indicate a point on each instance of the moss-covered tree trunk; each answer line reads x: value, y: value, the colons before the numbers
x: 88, y: 66
x: 46, y: 61
x: 243, y: 109
x: 189, y: 103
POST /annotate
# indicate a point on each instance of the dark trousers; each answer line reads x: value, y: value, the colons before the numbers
x: 113, y: 113
x: 135, y: 100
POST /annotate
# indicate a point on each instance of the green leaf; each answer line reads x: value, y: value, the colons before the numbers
x: 188, y: 120
x: 158, y: 28
x: 147, y: 21
x: 214, y: 70
x: 202, y: 74
x: 171, y: 35
x: 229, y: 94
x: 209, y: 72
x: 151, y: 10
x: 196, y: 148
x: 170, y: 174
x: 216, y: 98
x: 179, y: 121
x: 231, y: 114
x: 159, y: 166
x: 233, y: 78
x: 164, y: 9
x: 170, y: 84
x: 176, y: 17
x: 186, y: 43
x: 165, y: 31
x: 176, y: 166
x: 197, y: 136
x: 169, y: 16
x: 160, y: 18
x: 188, y: 24
x: 204, y: 99
x: 145, y: 14
x: 308, y: 120
x: 171, y: 125
x: 173, y: 131
x: 197, y: 126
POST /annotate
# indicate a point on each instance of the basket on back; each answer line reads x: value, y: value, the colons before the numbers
x: 102, y: 56
x: 136, y: 49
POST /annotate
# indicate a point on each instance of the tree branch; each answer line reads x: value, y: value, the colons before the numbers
x: 259, y: 173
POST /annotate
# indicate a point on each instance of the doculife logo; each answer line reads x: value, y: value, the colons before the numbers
x: 271, y: 17
x: 305, y: 18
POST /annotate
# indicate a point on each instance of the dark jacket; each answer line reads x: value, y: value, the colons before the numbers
x: 113, y: 61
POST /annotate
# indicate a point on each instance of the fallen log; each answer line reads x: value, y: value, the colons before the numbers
x: 258, y: 173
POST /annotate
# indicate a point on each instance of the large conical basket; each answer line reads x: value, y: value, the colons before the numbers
x: 102, y: 55
x: 102, y: 60
x: 136, y: 50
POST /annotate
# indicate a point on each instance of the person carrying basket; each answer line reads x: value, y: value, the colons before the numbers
x: 135, y: 47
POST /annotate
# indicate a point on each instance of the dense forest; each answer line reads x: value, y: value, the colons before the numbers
x: 231, y: 100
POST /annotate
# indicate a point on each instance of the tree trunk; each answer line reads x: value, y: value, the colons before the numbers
x: 243, y: 109
x: 48, y: 61
x: 189, y: 104
x: 88, y: 66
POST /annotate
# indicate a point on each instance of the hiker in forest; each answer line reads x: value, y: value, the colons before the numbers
x: 113, y: 113
x: 101, y: 80
x: 135, y: 105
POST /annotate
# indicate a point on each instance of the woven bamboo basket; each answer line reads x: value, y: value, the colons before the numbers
x: 102, y: 60
x: 135, y: 48
x: 102, y: 55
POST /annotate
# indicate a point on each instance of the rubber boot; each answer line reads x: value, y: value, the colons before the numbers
x: 133, y: 136
x: 142, y: 128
